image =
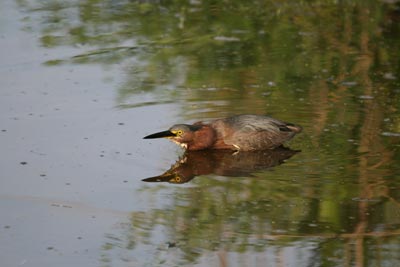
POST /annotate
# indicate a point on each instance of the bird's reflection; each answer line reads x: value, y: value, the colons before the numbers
x: 222, y: 162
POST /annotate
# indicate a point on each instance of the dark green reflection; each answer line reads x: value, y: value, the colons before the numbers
x: 338, y: 221
x: 247, y: 56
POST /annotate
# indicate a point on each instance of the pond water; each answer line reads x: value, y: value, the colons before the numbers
x: 81, y: 83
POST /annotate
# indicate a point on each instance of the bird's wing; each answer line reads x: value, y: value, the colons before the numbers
x: 249, y: 123
x: 257, y: 133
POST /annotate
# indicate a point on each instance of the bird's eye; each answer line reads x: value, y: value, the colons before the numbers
x: 179, y: 132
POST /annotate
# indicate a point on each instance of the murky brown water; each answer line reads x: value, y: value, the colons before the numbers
x: 82, y: 82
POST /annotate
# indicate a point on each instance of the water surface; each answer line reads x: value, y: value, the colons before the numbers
x: 83, y: 81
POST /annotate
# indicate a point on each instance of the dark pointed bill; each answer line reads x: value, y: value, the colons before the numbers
x: 173, y: 178
x: 160, y: 178
x: 160, y: 135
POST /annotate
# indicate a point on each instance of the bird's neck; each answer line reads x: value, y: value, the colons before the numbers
x: 203, y: 138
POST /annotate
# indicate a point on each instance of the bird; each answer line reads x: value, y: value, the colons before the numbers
x: 239, y: 133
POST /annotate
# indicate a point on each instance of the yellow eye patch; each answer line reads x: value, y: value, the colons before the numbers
x: 178, y: 132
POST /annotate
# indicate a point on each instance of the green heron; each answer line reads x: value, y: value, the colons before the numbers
x: 241, y: 132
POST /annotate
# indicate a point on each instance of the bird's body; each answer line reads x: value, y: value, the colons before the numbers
x: 241, y: 132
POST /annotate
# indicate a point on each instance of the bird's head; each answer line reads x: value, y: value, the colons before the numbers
x: 181, y: 134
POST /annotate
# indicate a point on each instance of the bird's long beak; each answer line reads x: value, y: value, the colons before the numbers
x: 160, y: 135
x: 161, y: 178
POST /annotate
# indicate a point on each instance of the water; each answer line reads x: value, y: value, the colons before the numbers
x: 82, y: 82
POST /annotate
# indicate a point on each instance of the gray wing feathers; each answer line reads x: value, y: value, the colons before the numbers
x: 253, y: 132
